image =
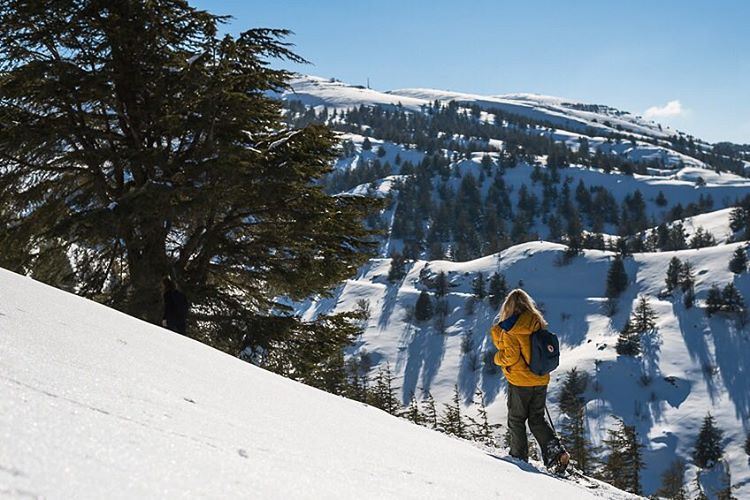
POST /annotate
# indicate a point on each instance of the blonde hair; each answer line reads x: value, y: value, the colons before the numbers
x: 518, y: 302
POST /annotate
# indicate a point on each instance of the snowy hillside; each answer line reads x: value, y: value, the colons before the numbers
x: 697, y: 364
x: 317, y: 91
x: 472, y: 158
x: 97, y: 404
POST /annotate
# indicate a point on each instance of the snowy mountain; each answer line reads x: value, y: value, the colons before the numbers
x: 97, y: 404
x: 692, y: 365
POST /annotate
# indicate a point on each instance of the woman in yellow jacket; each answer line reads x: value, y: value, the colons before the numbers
x: 527, y: 392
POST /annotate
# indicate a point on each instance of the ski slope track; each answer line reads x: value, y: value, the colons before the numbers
x: 96, y: 404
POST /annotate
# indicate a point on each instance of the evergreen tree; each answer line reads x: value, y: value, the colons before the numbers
x: 643, y: 318
x: 661, y: 200
x: 397, y: 271
x: 478, y: 286
x: 713, y: 300
x: 383, y: 393
x: 747, y: 445
x: 673, y: 482
x: 366, y: 144
x: 141, y: 134
x: 731, y: 299
x: 358, y: 382
x: 701, y: 239
x: 629, y: 341
x: 413, y: 412
x: 441, y: 284
x: 430, y: 411
x: 687, y: 283
x: 574, y: 385
x: 624, y: 462
x: 574, y: 234
x: 423, y: 310
x: 482, y: 430
x: 738, y: 263
x: 452, y: 421
x: 617, y: 278
x: 676, y: 237
x: 498, y: 289
x: 708, y: 447
x: 573, y: 431
x: 310, y: 353
x: 673, y: 273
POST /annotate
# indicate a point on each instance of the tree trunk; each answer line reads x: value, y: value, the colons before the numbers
x: 147, y: 263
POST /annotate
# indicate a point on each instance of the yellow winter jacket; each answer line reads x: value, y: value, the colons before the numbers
x: 514, y: 347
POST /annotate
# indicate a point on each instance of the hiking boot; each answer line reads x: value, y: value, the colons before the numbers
x: 560, y: 464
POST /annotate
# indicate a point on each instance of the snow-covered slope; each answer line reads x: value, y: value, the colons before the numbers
x: 96, y: 404
x: 560, y: 112
x: 316, y: 91
x: 694, y: 364
x: 578, y: 117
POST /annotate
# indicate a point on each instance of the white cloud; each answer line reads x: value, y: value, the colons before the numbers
x: 669, y: 110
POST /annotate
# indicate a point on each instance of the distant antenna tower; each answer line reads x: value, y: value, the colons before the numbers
x: 368, y: 82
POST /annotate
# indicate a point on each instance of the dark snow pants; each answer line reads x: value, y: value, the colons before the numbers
x: 527, y: 403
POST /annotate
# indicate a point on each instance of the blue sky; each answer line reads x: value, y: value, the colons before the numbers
x: 687, y: 61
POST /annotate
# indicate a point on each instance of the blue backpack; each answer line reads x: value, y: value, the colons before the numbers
x: 545, y: 348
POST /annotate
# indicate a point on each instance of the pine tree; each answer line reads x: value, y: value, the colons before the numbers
x: 617, y: 278
x: 452, y: 421
x: 661, y: 200
x: 498, y: 289
x: 714, y: 301
x: 481, y: 428
x: 702, y: 238
x: 738, y: 263
x: 673, y: 273
x: 624, y: 462
x: 687, y: 278
x: 731, y: 299
x: 478, y: 286
x: 358, y: 383
x: 413, y: 412
x: 643, y: 318
x: 687, y: 284
x: 383, y: 393
x: 424, y: 309
x: 747, y: 445
x: 708, y: 447
x: 140, y: 133
x: 629, y: 341
x: 573, y: 431
x: 366, y: 144
x: 673, y: 482
x: 397, y: 270
x: 430, y: 411
x: 441, y: 284
x: 574, y: 385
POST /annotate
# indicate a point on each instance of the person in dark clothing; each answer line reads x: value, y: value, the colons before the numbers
x: 176, y: 307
